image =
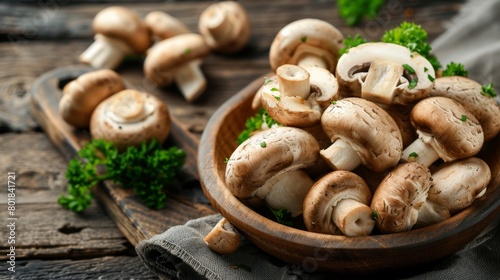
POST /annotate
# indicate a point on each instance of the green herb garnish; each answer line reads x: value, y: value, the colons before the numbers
x: 353, y: 11
x: 430, y: 78
x: 283, y: 216
x: 463, y: 118
x: 488, y: 90
x: 454, y: 69
x: 187, y: 51
x: 350, y: 43
x: 303, y: 39
x: 413, y: 83
x: 263, y: 144
x: 274, y: 89
x: 409, y: 69
x: 256, y: 123
x: 412, y: 155
x: 267, y: 80
x: 374, y: 215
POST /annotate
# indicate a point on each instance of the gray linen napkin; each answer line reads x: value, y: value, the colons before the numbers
x: 472, y: 38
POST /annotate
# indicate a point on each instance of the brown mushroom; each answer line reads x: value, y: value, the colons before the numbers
x: 445, y: 130
x: 385, y: 73
x: 340, y: 200
x: 223, y: 238
x: 400, y: 196
x: 225, y: 26
x: 82, y: 95
x: 129, y: 118
x: 119, y: 31
x: 178, y: 59
x: 307, y: 42
x: 469, y: 93
x: 297, y: 96
x: 164, y: 26
x: 361, y: 133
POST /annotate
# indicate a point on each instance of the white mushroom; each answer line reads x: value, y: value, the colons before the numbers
x: 445, y: 129
x: 385, y: 73
x: 340, y: 200
x: 119, y: 31
x: 223, y: 239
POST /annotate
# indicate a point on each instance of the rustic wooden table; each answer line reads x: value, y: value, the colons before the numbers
x: 39, y: 36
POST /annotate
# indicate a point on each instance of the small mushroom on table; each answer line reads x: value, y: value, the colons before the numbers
x: 164, y: 26
x: 119, y: 31
x: 223, y: 238
x: 385, y: 73
x: 82, y: 95
x: 270, y: 156
x: 129, y: 118
x: 298, y: 95
x: 225, y: 26
x: 307, y: 42
x: 339, y: 200
x: 400, y: 196
x: 445, y: 129
x: 178, y: 59
x: 361, y: 133
x: 469, y: 93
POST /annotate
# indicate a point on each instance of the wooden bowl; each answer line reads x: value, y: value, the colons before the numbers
x: 322, y: 252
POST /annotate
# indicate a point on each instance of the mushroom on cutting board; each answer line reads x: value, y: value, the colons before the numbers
x: 307, y: 42
x: 455, y: 185
x: 361, y: 133
x: 400, y: 196
x: 469, y: 93
x: 82, y: 95
x: 385, y: 73
x: 223, y: 238
x: 178, y: 59
x: 130, y: 117
x: 340, y: 200
x: 119, y: 31
x: 164, y: 26
x: 445, y: 129
x: 270, y: 157
x: 298, y: 95
x: 225, y: 26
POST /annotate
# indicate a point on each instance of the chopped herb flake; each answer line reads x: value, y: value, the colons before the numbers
x: 430, y: 78
x: 375, y: 215
x: 333, y: 102
x: 413, y: 83
x: 426, y: 69
x: 263, y: 144
x: 409, y: 68
x: 267, y: 80
x: 303, y: 39
x: 489, y: 90
x: 226, y: 160
x: 187, y: 51
x: 463, y: 118
x: 413, y: 155
x: 274, y: 89
x: 277, y: 97
x: 283, y: 216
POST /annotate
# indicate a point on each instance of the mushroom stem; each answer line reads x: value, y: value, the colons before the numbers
x: 341, y: 156
x: 353, y: 218
x: 130, y: 106
x: 381, y: 81
x: 312, y: 60
x: 309, y: 56
x: 105, y: 53
x: 223, y: 238
x: 293, y: 80
x: 421, y: 152
x: 190, y: 80
x: 431, y: 213
x: 218, y: 24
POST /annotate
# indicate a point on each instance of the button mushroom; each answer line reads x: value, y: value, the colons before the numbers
x: 307, y: 42
x: 361, y: 133
x: 164, y: 26
x: 225, y: 26
x: 457, y: 184
x: 223, y: 238
x: 119, y: 31
x: 298, y: 95
x: 82, y: 95
x: 445, y: 130
x: 385, y: 73
x: 469, y: 93
x: 340, y: 200
x: 178, y: 59
x: 129, y: 118
x: 267, y: 154
x: 400, y: 196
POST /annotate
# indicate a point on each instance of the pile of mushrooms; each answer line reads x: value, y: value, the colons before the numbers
x: 402, y: 143
x: 174, y: 53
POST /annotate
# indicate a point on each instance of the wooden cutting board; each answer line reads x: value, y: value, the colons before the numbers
x: 135, y: 220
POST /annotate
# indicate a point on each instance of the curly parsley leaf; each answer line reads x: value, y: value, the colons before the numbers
x: 489, y: 90
x: 353, y: 11
x: 283, y: 216
x: 147, y: 169
x: 350, y: 42
x: 455, y: 69
x: 255, y: 123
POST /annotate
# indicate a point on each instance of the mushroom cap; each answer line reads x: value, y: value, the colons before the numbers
x: 125, y: 25
x: 223, y: 238
x: 238, y: 23
x: 370, y: 131
x: 456, y: 185
x: 129, y: 118
x: 326, y: 193
x: 312, y: 32
x: 401, y: 115
x: 164, y: 26
x: 267, y: 154
x: 469, y: 93
x: 353, y: 69
x: 165, y: 56
x: 450, y: 129
x: 399, y: 197
x: 82, y: 95
x: 291, y: 110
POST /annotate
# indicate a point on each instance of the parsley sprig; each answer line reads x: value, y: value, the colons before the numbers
x: 147, y: 169
x: 255, y: 123
x: 455, y: 69
x: 353, y: 11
